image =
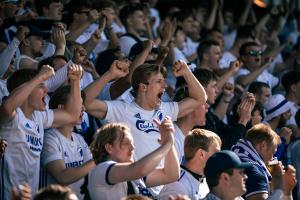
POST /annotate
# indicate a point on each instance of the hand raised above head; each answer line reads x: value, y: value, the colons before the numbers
x: 119, y: 69
x: 75, y: 72
x: 46, y: 72
x: 180, y: 68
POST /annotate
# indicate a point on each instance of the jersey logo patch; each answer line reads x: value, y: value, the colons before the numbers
x: 137, y: 116
x: 27, y: 126
x: 146, y: 126
x: 66, y: 154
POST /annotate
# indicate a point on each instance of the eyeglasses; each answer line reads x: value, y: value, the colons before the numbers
x: 254, y: 53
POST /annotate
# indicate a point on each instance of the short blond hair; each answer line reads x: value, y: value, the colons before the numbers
x: 261, y: 132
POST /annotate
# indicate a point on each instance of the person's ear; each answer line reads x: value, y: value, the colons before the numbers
x: 108, y: 148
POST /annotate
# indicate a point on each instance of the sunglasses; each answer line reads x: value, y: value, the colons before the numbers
x: 254, y: 53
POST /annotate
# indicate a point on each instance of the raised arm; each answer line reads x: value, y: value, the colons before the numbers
x: 73, y: 108
x: 131, y: 171
x: 19, y: 95
x: 197, y: 94
x: 93, y: 106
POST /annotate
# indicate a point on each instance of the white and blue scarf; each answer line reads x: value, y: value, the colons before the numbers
x: 247, y: 153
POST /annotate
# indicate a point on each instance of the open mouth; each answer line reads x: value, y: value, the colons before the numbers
x: 160, y: 95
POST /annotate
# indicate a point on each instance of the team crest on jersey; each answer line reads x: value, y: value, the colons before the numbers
x: 66, y: 154
x: 79, y: 149
x: 146, y: 126
x: 137, y: 116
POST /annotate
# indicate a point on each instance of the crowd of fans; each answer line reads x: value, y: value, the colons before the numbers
x: 104, y: 99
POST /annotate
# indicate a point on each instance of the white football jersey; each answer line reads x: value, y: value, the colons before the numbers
x: 21, y: 162
x: 73, y: 152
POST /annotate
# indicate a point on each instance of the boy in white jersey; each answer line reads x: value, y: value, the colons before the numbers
x: 117, y: 175
x: 65, y: 154
x: 199, y: 145
x: 148, y: 83
x: 23, y: 120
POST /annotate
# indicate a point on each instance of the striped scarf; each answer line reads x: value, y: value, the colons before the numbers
x: 247, y: 153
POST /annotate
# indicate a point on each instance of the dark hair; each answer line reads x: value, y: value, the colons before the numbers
x: 290, y: 78
x: 61, y: 96
x: 41, y: 4
x: 142, y: 74
x: 243, y: 48
x: 256, y: 87
x: 19, y: 77
x: 54, y: 191
x: 244, y: 32
x: 129, y: 10
x: 205, y: 46
x: 50, y: 60
x: 205, y: 76
x: 213, y: 181
x: 105, y: 59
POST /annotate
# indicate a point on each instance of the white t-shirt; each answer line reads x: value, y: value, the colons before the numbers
x: 265, y: 77
x: 73, y: 152
x: 294, y: 108
x: 99, y: 186
x: 190, y: 47
x: 126, y: 42
x: 179, y: 142
x: 3, y: 90
x: 226, y: 59
x: 192, y: 185
x: 144, y: 131
x: 21, y: 162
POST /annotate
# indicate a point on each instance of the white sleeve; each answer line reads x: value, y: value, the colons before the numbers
x: 126, y: 43
x: 171, y: 109
x: 103, y: 172
x: 115, y: 109
x: 59, y: 78
x: 7, y: 55
x: 87, y: 155
x: 48, y: 118
x: 173, y: 189
x: 52, y: 149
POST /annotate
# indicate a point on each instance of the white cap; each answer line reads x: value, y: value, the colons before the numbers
x: 275, y: 106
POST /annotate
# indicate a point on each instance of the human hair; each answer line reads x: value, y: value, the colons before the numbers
x: 61, y: 96
x: 106, y: 135
x: 143, y: 72
x: 199, y: 139
x: 243, y: 48
x: 182, y: 15
x: 50, y: 60
x: 19, y: 77
x: 256, y: 87
x: 105, y: 60
x: 290, y: 78
x: 260, y: 133
x: 204, y: 76
x: 41, y: 4
x: 129, y: 10
x: 54, y: 191
x: 205, y: 46
x: 213, y: 181
x: 101, y: 5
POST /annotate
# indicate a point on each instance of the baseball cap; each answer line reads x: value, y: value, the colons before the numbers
x: 222, y: 161
x: 275, y: 106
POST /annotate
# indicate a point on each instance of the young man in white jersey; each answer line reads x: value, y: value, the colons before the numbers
x: 199, y: 145
x: 148, y: 83
x: 23, y: 120
x: 65, y: 155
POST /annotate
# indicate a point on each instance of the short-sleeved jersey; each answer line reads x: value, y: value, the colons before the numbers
x: 99, y: 186
x: 21, y: 162
x: 144, y: 131
x: 73, y: 152
x: 189, y: 183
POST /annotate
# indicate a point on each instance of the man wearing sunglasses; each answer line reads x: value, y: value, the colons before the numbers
x: 255, y: 68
